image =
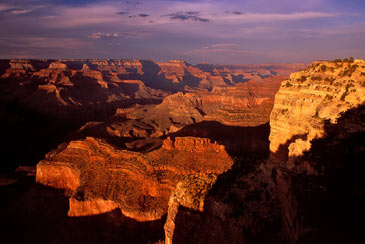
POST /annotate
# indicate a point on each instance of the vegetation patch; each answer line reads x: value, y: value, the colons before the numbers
x: 316, y: 78
x: 323, y: 68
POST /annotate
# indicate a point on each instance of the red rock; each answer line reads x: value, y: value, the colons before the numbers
x: 104, y: 178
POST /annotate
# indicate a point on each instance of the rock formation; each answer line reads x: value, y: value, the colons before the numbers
x: 75, y: 86
x: 103, y: 178
x: 309, y: 98
x: 307, y: 190
x: 247, y: 104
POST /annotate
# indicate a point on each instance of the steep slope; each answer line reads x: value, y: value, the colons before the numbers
x: 301, y: 194
x: 316, y: 140
x: 321, y: 92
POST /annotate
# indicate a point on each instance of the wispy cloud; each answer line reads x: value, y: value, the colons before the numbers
x: 223, y: 48
x: 271, y: 17
x: 20, y: 11
x: 189, y: 15
x: 203, y: 29
x: 110, y: 36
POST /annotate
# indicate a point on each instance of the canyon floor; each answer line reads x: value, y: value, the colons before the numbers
x: 137, y: 151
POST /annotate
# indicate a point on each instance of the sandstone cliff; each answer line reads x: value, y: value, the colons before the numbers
x: 103, y: 178
x: 247, y: 104
x: 310, y: 187
x: 309, y: 98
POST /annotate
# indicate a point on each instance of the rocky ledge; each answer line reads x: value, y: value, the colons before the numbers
x: 101, y: 178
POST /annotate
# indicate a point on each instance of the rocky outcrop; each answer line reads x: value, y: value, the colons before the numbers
x: 309, y: 98
x: 240, y: 206
x: 189, y: 193
x: 247, y: 104
x: 317, y: 126
x: 192, y: 144
x: 302, y: 194
x: 58, y: 176
x: 104, y: 178
x: 87, y: 86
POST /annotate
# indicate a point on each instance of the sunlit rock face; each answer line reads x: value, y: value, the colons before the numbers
x: 317, y: 128
x: 63, y: 88
x: 104, y: 178
x: 247, y: 104
x: 190, y: 193
x: 310, y: 97
x: 302, y: 194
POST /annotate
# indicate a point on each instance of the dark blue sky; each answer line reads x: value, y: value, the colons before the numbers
x: 215, y: 31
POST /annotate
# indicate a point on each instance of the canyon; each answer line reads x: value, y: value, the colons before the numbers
x: 60, y: 96
x: 189, y: 154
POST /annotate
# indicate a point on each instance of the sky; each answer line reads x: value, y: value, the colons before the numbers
x: 212, y: 31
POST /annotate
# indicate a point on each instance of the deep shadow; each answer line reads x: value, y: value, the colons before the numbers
x: 206, y: 67
x: 27, y: 135
x: 332, y: 202
x: 239, y: 141
x: 87, y: 88
x: 41, y: 64
x: 282, y: 154
x: 322, y: 194
x: 33, y: 213
x: 191, y: 80
x: 239, y: 79
x: 4, y: 65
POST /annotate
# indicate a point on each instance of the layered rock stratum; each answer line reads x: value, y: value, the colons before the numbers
x: 103, y: 178
x: 310, y: 97
x: 310, y: 187
x: 147, y: 163
x: 247, y: 104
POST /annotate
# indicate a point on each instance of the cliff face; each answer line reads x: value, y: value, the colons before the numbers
x: 103, y: 178
x: 310, y: 187
x: 87, y: 86
x: 247, y: 104
x: 321, y: 92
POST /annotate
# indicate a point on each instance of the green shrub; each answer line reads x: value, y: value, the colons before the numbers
x: 349, y: 60
x: 323, y: 68
x: 313, y: 78
x: 288, y: 84
x: 344, y: 95
x: 348, y: 86
x: 338, y: 60
x: 330, y: 80
x: 303, y: 78
x: 329, y: 97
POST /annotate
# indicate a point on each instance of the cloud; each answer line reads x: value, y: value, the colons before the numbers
x: 20, y: 11
x: 133, y: 3
x: 143, y: 15
x: 224, y: 45
x: 223, y: 48
x: 189, y: 15
x: 271, y: 17
x: 237, y: 13
x: 110, y: 36
x: 122, y: 13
